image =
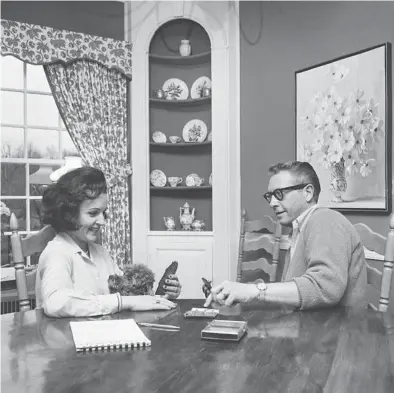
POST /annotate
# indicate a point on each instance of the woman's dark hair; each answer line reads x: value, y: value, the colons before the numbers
x: 61, y: 201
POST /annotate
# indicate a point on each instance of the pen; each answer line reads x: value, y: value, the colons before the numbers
x: 159, y: 326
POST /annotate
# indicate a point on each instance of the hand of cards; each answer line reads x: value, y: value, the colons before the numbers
x: 206, y: 287
x: 171, y: 270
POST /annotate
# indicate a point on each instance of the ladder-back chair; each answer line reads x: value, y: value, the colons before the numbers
x: 22, y: 248
x: 384, y: 246
x: 260, y: 239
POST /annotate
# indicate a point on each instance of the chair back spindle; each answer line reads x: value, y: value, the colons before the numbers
x: 379, y: 244
x: 262, y: 239
x: 22, y: 248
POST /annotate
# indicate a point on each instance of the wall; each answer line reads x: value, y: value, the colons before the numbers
x: 294, y: 35
x: 102, y: 18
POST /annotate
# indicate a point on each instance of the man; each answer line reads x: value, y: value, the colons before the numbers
x: 325, y: 265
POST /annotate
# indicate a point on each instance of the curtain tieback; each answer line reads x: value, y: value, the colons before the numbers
x: 118, y: 177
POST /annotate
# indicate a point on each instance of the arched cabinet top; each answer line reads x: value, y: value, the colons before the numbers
x: 148, y: 21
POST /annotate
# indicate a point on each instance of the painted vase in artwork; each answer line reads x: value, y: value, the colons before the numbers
x: 338, y: 184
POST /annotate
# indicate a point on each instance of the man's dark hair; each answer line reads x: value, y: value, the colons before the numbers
x: 303, y: 171
x: 61, y: 201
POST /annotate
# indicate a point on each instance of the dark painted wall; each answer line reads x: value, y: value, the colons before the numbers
x: 294, y: 35
x: 102, y: 18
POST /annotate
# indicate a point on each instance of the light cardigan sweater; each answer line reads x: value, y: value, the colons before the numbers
x: 328, y: 263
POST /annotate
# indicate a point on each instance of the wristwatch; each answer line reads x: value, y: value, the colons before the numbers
x: 262, y: 287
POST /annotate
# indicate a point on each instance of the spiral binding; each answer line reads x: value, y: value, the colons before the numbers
x: 112, y: 347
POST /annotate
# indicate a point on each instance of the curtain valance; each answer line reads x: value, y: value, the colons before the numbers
x: 42, y: 45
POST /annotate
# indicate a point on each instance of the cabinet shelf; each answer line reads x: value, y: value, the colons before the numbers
x: 180, y: 144
x: 187, y: 102
x: 183, y: 60
x: 180, y: 188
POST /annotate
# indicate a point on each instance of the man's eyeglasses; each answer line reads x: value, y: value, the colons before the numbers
x: 278, y: 193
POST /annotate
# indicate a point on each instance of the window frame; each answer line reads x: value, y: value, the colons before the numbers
x: 26, y: 161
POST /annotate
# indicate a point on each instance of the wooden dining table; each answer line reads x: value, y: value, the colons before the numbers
x: 331, y: 350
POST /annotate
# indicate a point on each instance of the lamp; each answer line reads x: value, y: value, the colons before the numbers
x: 41, y: 176
x: 72, y: 162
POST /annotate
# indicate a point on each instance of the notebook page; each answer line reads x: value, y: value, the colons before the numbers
x: 107, y: 333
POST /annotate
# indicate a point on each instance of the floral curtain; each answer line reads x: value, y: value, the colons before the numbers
x: 89, y: 78
x: 93, y: 102
x: 41, y: 45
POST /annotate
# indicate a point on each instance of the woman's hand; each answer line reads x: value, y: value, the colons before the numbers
x: 146, y: 303
x: 172, y: 287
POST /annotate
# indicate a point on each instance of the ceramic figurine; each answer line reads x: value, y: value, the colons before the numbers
x: 185, y: 217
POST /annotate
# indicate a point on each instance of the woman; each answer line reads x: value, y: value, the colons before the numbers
x: 73, y: 270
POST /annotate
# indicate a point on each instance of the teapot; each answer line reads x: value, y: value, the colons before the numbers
x: 198, y: 225
x: 185, y: 217
x: 169, y: 223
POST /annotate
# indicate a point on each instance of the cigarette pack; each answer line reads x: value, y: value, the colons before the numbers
x: 224, y: 330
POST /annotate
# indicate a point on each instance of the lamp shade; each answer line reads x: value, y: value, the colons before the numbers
x: 70, y: 164
x: 41, y: 176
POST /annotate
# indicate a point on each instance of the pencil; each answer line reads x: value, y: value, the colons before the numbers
x: 159, y: 326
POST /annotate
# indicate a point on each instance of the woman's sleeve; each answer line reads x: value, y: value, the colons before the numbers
x: 59, y: 297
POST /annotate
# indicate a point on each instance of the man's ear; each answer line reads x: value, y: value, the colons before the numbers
x: 309, y: 190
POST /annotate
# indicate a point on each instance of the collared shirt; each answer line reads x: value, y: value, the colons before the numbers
x: 70, y: 283
x: 298, y: 224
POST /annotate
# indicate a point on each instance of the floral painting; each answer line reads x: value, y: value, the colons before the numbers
x: 343, y: 119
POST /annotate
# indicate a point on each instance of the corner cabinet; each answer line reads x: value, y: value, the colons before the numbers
x: 156, y: 34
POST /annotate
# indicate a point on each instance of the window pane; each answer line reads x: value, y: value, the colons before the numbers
x: 39, y: 178
x: 12, y: 142
x: 35, y: 215
x: 36, y: 78
x: 68, y: 147
x: 18, y: 207
x: 13, y: 179
x: 42, y: 111
x: 12, y: 108
x: 12, y: 72
x: 42, y: 143
x: 5, y: 249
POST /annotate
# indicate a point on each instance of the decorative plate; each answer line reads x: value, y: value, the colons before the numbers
x: 158, y: 178
x: 194, y: 131
x: 159, y: 137
x: 210, y: 180
x: 198, y: 86
x: 175, y: 89
x: 210, y: 137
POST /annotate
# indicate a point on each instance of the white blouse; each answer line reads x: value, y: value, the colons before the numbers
x: 69, y: 283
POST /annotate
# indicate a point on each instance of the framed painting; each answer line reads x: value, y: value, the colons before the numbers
x: 343, y: 128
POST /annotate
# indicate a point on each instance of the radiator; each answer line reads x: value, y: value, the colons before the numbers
x: 11, y: 306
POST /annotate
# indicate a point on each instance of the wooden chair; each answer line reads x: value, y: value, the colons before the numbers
x: 261, y: 240
x: 22, y: 248
x: 379, y: 244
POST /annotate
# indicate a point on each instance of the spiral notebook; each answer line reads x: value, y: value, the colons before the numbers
x: 107, y: 335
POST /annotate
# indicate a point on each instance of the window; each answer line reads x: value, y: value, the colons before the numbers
x: 34, y: 142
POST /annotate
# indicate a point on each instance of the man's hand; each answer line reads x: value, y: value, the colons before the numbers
x: 172, y: 287
x: 229, y: 293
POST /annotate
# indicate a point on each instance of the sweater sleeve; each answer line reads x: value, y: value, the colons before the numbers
x: 327, y: 253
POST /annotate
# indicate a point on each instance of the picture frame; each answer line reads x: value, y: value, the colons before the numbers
x: 344, y: 128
